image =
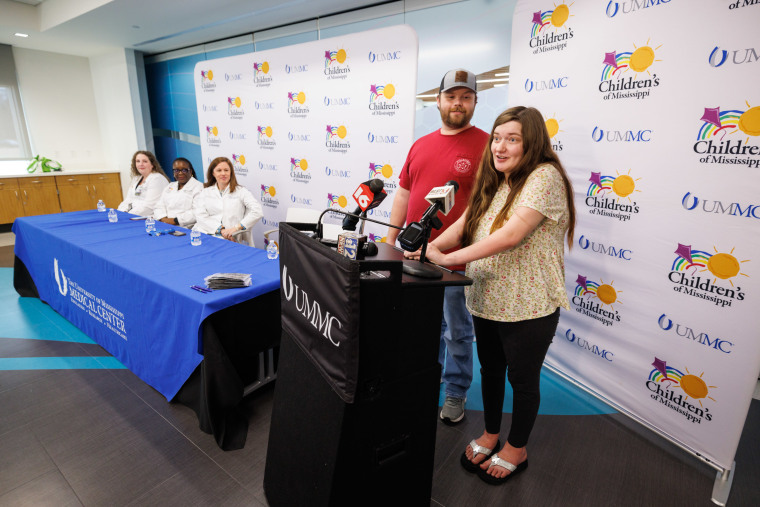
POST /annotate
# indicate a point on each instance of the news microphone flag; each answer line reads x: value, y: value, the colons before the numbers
x: 443, y: 196
x: 363, y: 196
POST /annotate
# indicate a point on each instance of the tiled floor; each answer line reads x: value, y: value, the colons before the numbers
x: 102, y: 437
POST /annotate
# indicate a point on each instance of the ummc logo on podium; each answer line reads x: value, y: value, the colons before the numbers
x: 309, y: 308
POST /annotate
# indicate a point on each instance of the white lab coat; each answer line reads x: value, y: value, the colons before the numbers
x: 143, y: 203
x: 229, y: 209
x: 178, y: 204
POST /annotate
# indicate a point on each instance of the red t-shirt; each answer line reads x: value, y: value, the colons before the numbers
x: 432, y: 161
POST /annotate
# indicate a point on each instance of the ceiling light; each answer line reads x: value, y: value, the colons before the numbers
x: 498, y: 80
x: 501, y: 74
x: 19, y: 34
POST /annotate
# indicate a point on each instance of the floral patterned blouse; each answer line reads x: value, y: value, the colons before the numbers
x: 528, y: 281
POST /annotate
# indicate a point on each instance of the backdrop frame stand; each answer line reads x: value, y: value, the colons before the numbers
x: 725, y: 476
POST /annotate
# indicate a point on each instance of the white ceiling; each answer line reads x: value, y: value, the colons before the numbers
x: 94, y: 27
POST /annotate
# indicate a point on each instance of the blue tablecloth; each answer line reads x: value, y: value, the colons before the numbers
x: 130, y: 291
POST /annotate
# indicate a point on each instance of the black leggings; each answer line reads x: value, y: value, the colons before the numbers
x: 515, y: 350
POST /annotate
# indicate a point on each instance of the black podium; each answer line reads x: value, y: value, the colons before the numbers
x: 356, y: 397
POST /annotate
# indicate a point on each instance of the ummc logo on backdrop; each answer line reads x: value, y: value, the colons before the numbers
x: 337, y: 101
x: 299, y: 137
x: 695, y: 273
x: 263, y: 166
x: 724, y: 136
x: 629, y: 6
x: 336, y: 201
x: 673, y: 388
x: 605, y: 193
x: 300, y: 200
x: 691, y: 202
x: 264, y: 137
x: 268, y: 194
x: 207, y: 80
x: 552, y: 127
x: 337, y: 173
x: 212, y: 136
x: 616, y: 65
x: 336, y: 66
x: 296, y: 107
x: 701, y: 338
x: 298, y: 168
x: 621, y: 136
x: 261, y: 75
x: 602, y: 249
x: 335, y: 139
x: 379, y: 214
x: 381, y: 139
x: 310, y: 309
x: 605, y: 293
x: 588, y: 346
x: 235, y: 108
x: 541, y: 39
x: 233, y: 77
x: 384, y: 56
x: 545, y: 84
x: 296, y: 69
x: 380, y: 102
x: 738, y: 56
x: 263, y: 105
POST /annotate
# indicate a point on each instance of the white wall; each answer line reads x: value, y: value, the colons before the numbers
x: 60, y: 109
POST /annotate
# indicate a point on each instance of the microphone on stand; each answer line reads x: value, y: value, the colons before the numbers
x: 368, y: 195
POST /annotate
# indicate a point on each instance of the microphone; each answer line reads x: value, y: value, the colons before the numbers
x: 417, y: 233
x: 368, y: 195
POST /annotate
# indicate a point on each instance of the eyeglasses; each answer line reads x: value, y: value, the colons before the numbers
x: 183, y: 170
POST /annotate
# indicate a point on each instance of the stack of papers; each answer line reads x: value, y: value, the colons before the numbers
x: 228, y: 280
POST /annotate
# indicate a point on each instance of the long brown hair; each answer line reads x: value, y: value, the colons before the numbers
x: 152, y: 158
x: 211, y: 180
x: 537, y: 150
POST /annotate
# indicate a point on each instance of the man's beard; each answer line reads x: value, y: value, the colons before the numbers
x: 453, y: 123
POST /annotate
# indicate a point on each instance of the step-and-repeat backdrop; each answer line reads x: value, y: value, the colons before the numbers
x: 304, y: 125
x: 654, y: 109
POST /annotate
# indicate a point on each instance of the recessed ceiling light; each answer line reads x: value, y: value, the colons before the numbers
x: 136, y: 27
x: 19, y: 34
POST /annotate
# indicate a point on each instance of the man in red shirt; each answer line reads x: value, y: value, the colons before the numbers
x: 451, y: 153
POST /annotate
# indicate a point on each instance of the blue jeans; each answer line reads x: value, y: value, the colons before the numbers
x: 457, y: 335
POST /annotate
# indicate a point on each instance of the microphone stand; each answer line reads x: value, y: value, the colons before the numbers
x: 421, y: 269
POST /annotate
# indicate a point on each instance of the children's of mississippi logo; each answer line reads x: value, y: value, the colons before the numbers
x: 605, y: 293
x: 621, y: 70
x: 335, y: 138
x: 605, y: 193
x: 336, y: 64
x: 298, y: 168
x: 264, y: 137
x: 375, y: 238
x: 235, y: 108
x: 381, y: 99
x: 207, y: 80
x: 261, y: 75
x: 336, y: 201
x: 724, y: 136
x: 212, y: 136
x: 297, y: 107
x: 384, y: 171
x: 268, y: 198
x: 238, y: 161
x: 540, y: 37
x: 674, y: 388
x: 696, y: 273
x: 552, y: 126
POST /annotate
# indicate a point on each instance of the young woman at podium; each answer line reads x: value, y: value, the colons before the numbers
x: 513, y: 231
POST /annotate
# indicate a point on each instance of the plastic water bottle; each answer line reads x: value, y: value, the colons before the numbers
x: 195, y: 238
x: 150, y: 224
x: 101, y: 206
x: 112, y: 216
x: 272, y: 250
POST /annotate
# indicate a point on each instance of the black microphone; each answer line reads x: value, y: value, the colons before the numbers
x: 369, y: 195
x: 417, y: 233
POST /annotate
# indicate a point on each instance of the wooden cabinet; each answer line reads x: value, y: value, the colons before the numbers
x: 10, y: 201
x: 82, y: 191
x: 40, y: 195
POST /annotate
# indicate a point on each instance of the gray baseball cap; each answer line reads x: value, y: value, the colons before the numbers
x: 457, y: 78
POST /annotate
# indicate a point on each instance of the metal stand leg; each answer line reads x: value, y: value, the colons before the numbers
x: 722, y: 486
x: 266, y: 372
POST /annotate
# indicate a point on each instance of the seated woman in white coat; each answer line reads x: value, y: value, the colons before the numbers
x: 175, y: 206
x: 148, y: 181
x: 224, y: 207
